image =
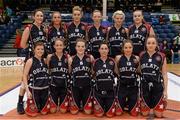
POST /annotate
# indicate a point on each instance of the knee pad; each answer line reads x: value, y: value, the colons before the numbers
x: 111, y: 111
x: 46, y: 108
x: 118, y: 108
x: 135, y: 110
x: 73, y: 106
x: 144, y: 107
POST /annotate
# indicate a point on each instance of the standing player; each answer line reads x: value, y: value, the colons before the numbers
x: 104, y: 74
x: 96, y: 34
x: 75, y: 29
x: 139, y: 31
x: 117, y: 34
x: 58, y: 68
x: 154, y: 79
x: 31, y: 34
x: 127, y: 65
x: 36, y: 80
x: 80, y: 67
x: 56, y: 30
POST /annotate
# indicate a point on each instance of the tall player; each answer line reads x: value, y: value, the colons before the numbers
x: 36, y: 80
x: 76, y: 29
x: 96, y: 34
x: 127, y: 65
x: 58, y: 69
x: 32, y: 33
x: 139, y: 31
x: 56, y: 30
x: 104, y: 74
x: 154, y: 79
x: 117, y: 34
x: 80, y: 67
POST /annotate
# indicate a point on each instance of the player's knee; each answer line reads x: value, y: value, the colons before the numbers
x: 158, y: 114
x: 145, y: 113
x: 53, y: 110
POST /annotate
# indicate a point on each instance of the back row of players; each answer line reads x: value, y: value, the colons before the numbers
x: 81, y: 68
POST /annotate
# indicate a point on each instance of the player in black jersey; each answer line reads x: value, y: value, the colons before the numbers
x: 80, y: 67
x: 104, y: 74
x: 36, y: 80
x: 96, y: 34
x: 139, y: 31
x: 127, y: 65
x: 31, y: 34
x: 154, y: 79
x: 58, y: 68
x: 117, y: 34
x: 75, y: 29
x: 56, y: 30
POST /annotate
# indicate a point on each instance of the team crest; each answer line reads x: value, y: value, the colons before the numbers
x: 111, y: 63
x: 83, y: 27
x: 143, y: 29
x: 158, y: 58
x: 87, y: 59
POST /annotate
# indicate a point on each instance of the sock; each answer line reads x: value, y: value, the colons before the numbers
x: 20, y: 99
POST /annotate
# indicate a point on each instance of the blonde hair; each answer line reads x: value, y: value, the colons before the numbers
x: 118, y: 12
x: 96, y: 11
x: 77, y: 8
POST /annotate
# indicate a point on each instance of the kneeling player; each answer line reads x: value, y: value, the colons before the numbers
x: 127, y: 64
x: 58, y: 66
x: 80, y: 68
x: 104, y: 73
x: 36, y: 75
x: 154, y: 79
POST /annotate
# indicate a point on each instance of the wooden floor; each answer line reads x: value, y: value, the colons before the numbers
x: 172, y: 112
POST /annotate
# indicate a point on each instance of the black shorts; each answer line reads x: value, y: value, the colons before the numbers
x: 58, y: 94
x: 40, y: 97
x: 151, y: 93
x: 127, y: 96
x: 81, y: 94
x: 105, y: 99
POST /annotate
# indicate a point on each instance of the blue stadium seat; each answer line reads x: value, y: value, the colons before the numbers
x: 171, y: 35
x: 164, y: 27
x: 163, y: 35
x: 167, y: 30
x: 160, y: 31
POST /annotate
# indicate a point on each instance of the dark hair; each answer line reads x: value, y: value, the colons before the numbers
x: 103, y: 43
x: 80, y: 40
x: 124, y: 42
x: 52, y: 23
x: 154, y: 37
x: 59, y: 39
x: 37, y: 10
x: 38, y: 43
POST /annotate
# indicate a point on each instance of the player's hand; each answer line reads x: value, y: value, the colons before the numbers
x: 29, y: 95
x: 165, y: 94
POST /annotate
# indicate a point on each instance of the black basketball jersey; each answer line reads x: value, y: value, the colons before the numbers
x: 81, y: 71
x: 138, y: 37
x: 116, y: 38
x: 36, y: 35
x: 53, y: 34
x: 74, y: 32
x: 151, y: 66
x: 128, y: 70
x: 38, y: 74
x: 95, y: 37
x: 104, y: 72
x: 58, y: 70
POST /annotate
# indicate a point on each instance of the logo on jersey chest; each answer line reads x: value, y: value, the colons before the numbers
x: 80, y: 35
x: 40, y: 70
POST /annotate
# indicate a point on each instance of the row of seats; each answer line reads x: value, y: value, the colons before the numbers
x: 7, y: 30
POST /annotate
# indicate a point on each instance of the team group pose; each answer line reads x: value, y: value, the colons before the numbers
x: 73, y: 67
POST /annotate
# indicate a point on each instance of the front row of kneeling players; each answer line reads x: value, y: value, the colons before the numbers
x: 81, y: 83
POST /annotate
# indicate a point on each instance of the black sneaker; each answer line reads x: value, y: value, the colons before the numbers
x: 20, y: 108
